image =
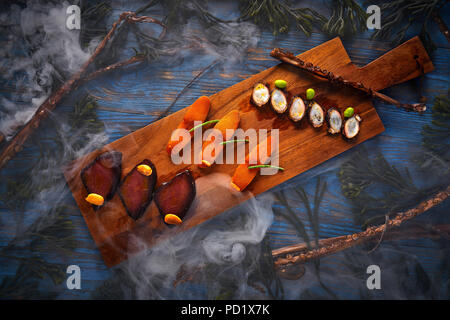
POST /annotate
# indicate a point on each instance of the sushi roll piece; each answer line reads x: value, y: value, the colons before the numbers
x: 297, y: 109
x: 334, y: 121
x: 260, y: 95
x: 316, y: 115
x: 101, y: 178
x: 136, y: 189
x: 278, y: 101
x: 351, y: 127
x: 175, y: 197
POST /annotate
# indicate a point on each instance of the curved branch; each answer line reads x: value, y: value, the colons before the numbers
x: 300, y: 254
x: 290, y: 58
x: 16, y: 143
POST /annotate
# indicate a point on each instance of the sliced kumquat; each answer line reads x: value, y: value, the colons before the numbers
x: 144, y: 169
x: 95, y: 199
x: 172, y: 219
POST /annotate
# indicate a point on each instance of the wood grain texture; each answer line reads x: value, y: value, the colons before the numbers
x: 301, y: 147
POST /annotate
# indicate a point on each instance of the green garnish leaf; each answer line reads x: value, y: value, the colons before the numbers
x: 265, y: 166
x: 232, y: 141
x: 203, y: 124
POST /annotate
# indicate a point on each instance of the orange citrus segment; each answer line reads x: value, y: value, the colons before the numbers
x: 95, y: 199
x: 144, y: 169
x: 172, y: 219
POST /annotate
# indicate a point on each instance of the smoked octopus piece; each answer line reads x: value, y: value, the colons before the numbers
x: 352, y: 127
x: 334, y: 120
x: 175, y: 197
x: 136, y: 189
x: 101, y: 177
x: 260, y: 95
x: 316, y: 115
x: 278, y: 101
x: 297, y: 109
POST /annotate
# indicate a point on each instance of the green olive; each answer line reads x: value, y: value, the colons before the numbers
x: 349, y: 112
x: 310, y: 93
x: 280, y: 84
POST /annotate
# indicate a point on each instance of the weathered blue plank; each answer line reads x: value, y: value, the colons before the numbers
x: 150, y: 88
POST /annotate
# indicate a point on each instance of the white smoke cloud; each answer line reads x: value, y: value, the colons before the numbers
x: 39, y: 50
x: 153, y: 272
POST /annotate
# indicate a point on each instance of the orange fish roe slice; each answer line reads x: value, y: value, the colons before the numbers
x: 243, y: 176
x: 198, y: 111
x: 231, y: 122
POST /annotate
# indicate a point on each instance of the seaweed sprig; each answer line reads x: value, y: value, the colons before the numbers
x: 312, y: 212
x: 436, y: 136
x: 378, y: 189
x: 399, y: 16
x: 279, y: 14
x: 93, y: 21
x: 347, y: 18
x: 38, y: 245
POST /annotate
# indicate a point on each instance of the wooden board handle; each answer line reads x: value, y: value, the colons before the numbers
x: 405, y: 62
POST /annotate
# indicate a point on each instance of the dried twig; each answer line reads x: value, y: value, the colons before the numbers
x: 441, y: 24
x: 120, y: 64
x: 167, y: 110
x: 16, y: 143
x: 300, y: 254
x: 291, y: 59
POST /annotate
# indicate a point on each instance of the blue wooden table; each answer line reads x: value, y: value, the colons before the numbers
x: 133, y: 97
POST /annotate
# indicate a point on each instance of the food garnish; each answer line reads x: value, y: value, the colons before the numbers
x: 349, y: 112
x: 280, y: 84
x: 203, y: 124
x: 95, y: 199
x: 233, y: 141
x: 144, y: 169
x: 310, y: 93
x: 265, y: 166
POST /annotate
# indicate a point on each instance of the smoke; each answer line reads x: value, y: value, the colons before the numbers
x: 221, y: 244
x: 39, y: 54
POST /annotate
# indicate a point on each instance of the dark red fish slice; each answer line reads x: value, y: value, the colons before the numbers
x: 136, y: 190
x: 175, y: 197
x: 102, y: 176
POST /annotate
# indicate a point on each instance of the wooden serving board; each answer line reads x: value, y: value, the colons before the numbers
x: 300, y: 147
